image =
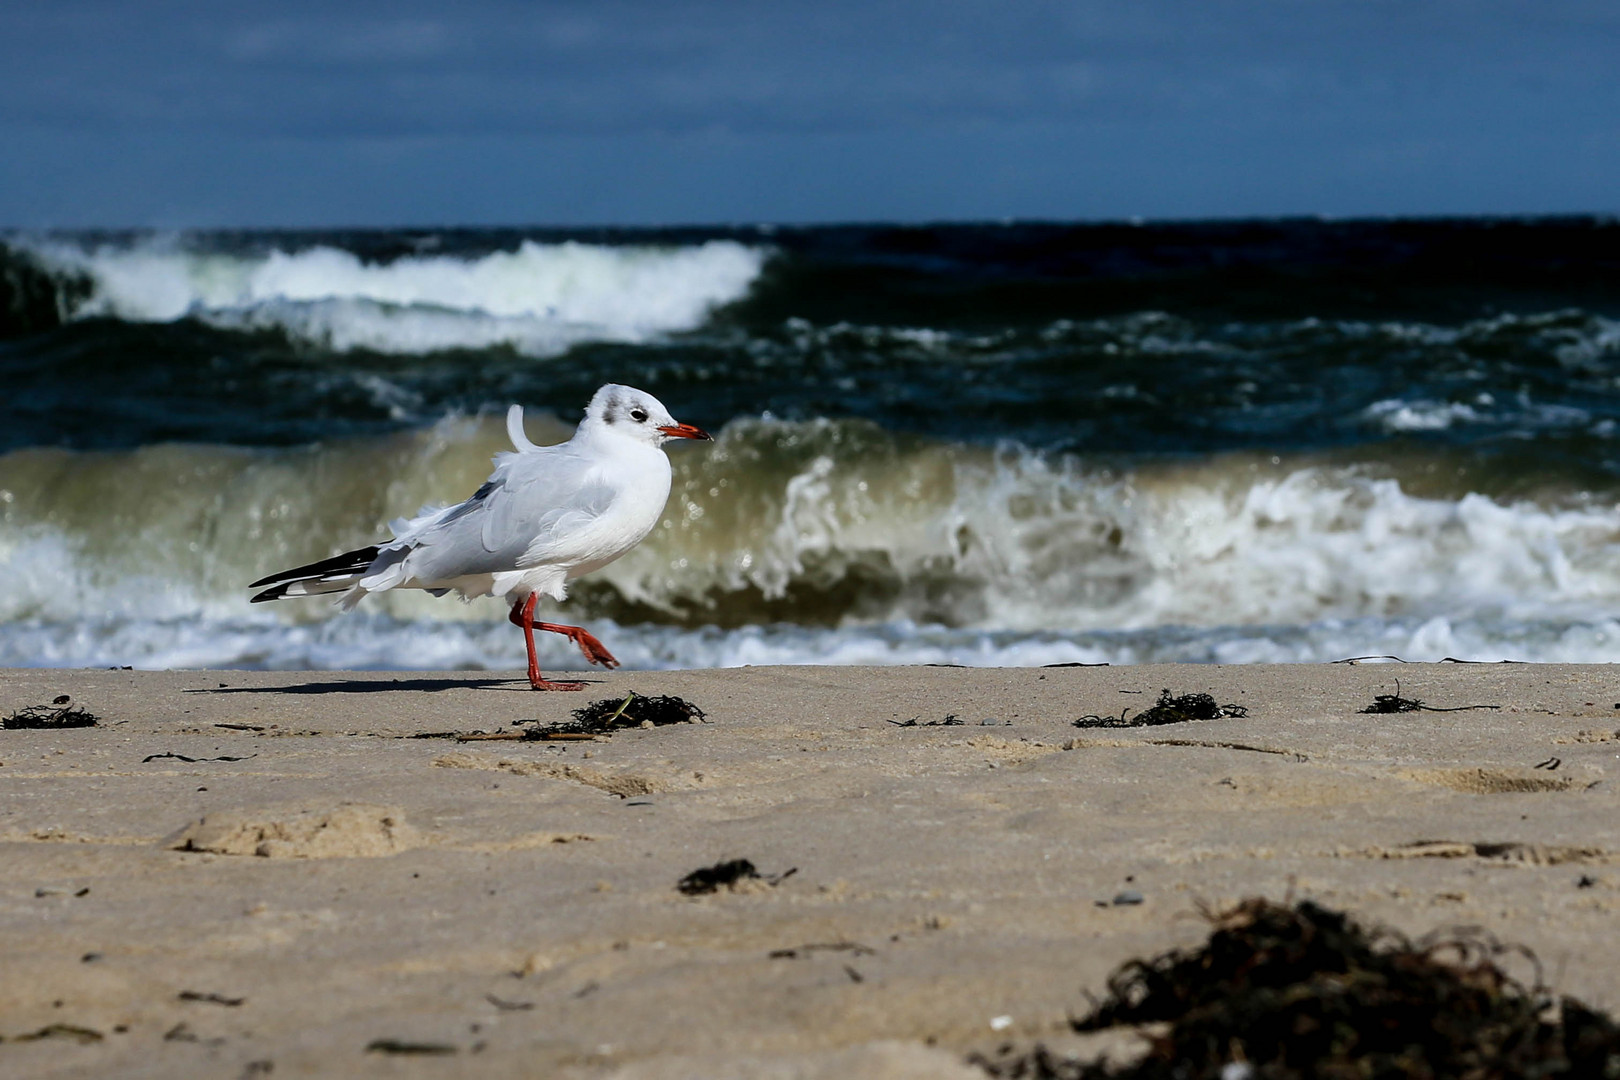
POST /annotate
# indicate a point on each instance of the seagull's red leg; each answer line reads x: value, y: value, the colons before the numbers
x: 593, y: 649
x: 523, y: 615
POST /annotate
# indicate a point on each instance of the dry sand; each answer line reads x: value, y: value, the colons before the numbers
x: 316, y: 882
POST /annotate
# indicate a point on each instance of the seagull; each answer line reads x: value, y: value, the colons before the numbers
x: 546, y: 515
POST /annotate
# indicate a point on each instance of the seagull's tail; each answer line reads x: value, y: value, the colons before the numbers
x: 336, y: 574
x: 514, y: 429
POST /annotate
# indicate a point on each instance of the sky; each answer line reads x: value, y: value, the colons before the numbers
x: 122, y: 113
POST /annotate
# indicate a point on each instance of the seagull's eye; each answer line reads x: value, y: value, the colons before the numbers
x: 638, y: 415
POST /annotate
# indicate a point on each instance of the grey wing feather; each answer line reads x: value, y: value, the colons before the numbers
x: 515, y: 519
x: 539, y: 504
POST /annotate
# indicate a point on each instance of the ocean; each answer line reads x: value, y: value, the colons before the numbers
x: 979, y: 444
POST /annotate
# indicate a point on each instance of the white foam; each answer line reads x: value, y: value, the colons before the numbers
x: 539, y: 299
x: 1020, y: 541
x: 1393, y: 414
x: 381, y: 642
x: 971, y: 556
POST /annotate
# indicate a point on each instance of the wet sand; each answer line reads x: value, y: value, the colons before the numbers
x: 317, y: 893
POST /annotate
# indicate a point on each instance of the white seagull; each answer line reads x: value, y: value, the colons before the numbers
x: 545, y: 515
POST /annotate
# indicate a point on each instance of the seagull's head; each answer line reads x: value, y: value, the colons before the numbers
x: 636, y: 414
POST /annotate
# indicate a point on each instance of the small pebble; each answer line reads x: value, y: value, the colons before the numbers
x: 1000, y: 1023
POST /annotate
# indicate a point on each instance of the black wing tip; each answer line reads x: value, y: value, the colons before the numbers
x: 358, y: 559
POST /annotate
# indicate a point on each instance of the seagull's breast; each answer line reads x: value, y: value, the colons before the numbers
x: 632, y: 485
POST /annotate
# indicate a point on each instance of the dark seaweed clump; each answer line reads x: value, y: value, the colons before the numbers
x: 612, y: 714
x: 949, y: 721
x: 1392, y: 703
x: 723, y: 875
x: 1280, y: 992
x: 1395, y: 703
x: 59, y: 715
x: 1167, y: 710
x: 727, y: 875
x: 406, y: 1048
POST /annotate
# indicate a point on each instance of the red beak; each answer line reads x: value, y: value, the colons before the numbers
x: 686, y: 431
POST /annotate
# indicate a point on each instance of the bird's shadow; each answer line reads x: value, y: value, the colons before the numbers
x: 368, y: 686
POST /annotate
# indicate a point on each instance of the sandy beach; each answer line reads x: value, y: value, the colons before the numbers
x: 242, y: 874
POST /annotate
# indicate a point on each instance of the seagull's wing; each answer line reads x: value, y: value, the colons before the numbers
x: 543, y: 505
x: 533, y: 509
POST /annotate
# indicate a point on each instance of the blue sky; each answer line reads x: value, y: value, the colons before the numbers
x: 186, y: 113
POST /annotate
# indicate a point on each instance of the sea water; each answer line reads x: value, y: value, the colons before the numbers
x: 976, y: 444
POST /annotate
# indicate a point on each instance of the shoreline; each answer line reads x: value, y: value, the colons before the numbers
x: 517, y: 901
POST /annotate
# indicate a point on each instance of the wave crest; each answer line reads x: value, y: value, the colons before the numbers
x: 832, y: 525
x: 539, y: 299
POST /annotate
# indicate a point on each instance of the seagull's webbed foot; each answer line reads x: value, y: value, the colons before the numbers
x: 536, y: 682
x: 593, y: 650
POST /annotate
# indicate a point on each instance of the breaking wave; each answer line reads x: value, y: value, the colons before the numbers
x: 817, y: 541
x: 539, y: 299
